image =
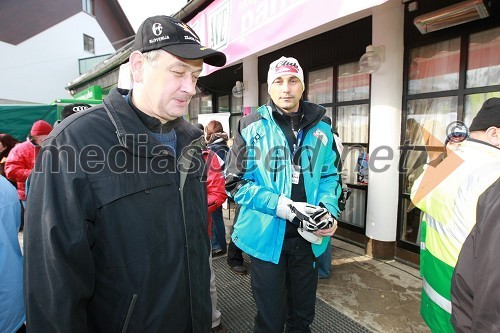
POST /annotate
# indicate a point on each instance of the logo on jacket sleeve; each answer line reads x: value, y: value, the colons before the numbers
x: 321, y: 136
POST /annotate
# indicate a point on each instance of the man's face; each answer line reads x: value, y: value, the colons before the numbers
x: 286, y: 91
x: 166, y: 87
x: 39, y: 139
x: 491, y: 136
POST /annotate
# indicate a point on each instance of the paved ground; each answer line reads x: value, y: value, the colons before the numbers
x: 384, y: 296
x: 238, y: 309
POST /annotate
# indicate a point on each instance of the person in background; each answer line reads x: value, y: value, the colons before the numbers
x: 7, y: 142
x: 448, y: 195
x: 12, y: 314
x: 116, y: 240
x: 325, y: 259
x: 235, y: 258
x: 281, y: 171
x: 217, y: 142
x: 22, y: 157
x: 71, y: 109
x: 216, y: 195
x: 234, y: 254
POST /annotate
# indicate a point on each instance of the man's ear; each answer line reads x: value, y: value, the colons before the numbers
x: 493, y: 135
x: 136, y: 60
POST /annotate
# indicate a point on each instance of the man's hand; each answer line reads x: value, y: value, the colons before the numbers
x: 297, y: 212
x: 330, y: 230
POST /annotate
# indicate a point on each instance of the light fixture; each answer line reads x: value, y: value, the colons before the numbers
x: 371, y: 61
x: 238, y: 89
x: 463, y: 12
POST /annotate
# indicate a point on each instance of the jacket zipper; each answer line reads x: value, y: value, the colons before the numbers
x: 129, y: 313
x: 310, y: 165
x: 275, y: 167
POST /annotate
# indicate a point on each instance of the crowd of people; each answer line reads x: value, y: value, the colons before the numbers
x: 120, y: 230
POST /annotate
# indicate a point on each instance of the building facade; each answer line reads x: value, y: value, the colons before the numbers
x: 46, y: 44
x: 438, y: 61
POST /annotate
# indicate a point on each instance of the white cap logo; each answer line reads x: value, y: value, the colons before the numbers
x: 157, y: 29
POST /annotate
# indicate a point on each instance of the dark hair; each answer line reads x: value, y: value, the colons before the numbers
x: 9, y: 142
x: 70, y: 109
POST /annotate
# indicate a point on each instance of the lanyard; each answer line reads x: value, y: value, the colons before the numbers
x: 299, y: 140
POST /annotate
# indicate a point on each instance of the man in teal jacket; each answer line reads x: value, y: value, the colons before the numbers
x: 281, y: 171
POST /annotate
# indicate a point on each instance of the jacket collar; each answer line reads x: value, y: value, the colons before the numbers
x: 313, y: 113
x: 133, y: 134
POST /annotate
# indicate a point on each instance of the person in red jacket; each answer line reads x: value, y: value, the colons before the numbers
x: 216, y: 195
x: 21, y: 159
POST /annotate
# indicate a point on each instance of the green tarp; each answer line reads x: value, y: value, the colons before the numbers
x: 16, y: 120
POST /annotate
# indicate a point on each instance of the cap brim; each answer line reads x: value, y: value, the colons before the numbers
x: 195, y: 51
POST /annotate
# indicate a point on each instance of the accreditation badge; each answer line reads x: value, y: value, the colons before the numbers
x: 296, y: 174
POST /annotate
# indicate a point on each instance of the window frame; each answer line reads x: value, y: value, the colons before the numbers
x: 88, y: 6
x: 88, y: 43
x: 461, y: 93
x: 348, y: 146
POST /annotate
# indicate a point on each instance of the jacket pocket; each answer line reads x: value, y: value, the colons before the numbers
x: 129, y: 313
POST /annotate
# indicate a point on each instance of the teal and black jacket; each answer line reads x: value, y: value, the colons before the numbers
x: 259, y: 169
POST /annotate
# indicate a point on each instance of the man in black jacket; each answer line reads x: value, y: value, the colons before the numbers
x: 475, y: 294
x: 116, y: 236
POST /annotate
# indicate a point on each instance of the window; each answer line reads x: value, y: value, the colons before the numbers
x: 483, y: 68
x: 236, y: 114
x: 320, y: 87
x: 263, y: 94
x: 348, y: 107
x: 88, y: 6
x: 236, y: 105
x: 194, y: 109
x: 223, y: 103
x: 446, y: 81
x: 434, y: 67
x: 206, y: 104
x: 88, y: 44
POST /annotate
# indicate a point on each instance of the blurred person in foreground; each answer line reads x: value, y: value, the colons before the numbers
x: 116, y: 236
x: 22, y: 157
x: 281, y: 171
x: 475, y: 296
x: 448, y: 194
x: 12, y: 315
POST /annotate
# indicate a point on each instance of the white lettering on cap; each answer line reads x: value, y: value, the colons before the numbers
x: 159, y: 39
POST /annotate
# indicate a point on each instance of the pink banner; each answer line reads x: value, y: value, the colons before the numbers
x: 241, y: 28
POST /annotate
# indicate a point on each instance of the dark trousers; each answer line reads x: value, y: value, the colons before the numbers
x: 285, y: 292
x: 234, y: 255
x: 218, y: 231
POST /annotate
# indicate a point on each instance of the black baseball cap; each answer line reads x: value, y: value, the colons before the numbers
x: 175, y: 37
x: 488, y: 115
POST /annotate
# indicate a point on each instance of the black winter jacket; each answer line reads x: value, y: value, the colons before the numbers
x: 108, y: 245
x: 475, y: 292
